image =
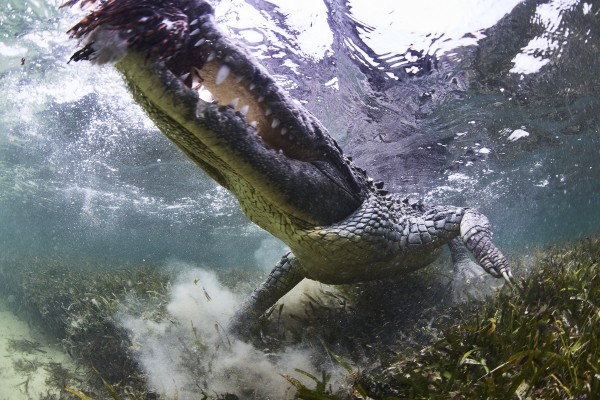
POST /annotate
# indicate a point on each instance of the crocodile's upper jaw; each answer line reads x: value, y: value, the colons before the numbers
x: 224, y: 111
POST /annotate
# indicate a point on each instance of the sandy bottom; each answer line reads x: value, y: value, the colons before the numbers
x: 31, y: 366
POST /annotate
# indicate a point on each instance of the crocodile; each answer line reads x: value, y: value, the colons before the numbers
x: 224, y: 111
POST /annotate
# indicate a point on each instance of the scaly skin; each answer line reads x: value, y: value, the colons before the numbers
x: 289, y: 176
x: 384, y: 238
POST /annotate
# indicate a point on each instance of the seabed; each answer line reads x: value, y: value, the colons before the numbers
x: 74, y: 305
x: 32, y: 365
x: 393, y: 340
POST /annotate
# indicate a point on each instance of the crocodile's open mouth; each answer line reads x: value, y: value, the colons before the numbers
x: 183, y: 36
x: 221, y: 107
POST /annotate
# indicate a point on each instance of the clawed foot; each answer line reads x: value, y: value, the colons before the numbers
x: 501, y: 270
x: 476, y: 235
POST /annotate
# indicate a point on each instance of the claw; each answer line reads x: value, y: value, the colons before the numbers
x: 507, y: 277
x: 493, y: 272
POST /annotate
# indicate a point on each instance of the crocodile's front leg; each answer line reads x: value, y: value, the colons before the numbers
x: 468, y: 280
x: 476, y: 235
x: 286, y: 274
x: 445, y: 223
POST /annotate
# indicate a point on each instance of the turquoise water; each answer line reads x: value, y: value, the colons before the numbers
x: 458, y: 106
x: 83, y: 172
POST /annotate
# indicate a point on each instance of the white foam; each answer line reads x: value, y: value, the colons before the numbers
x: 518, y: 134
x: 11, y: 51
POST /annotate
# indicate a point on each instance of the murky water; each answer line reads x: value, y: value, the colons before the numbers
x: 458, y: 103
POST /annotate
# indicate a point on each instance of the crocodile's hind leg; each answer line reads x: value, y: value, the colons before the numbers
x: 286, y: 274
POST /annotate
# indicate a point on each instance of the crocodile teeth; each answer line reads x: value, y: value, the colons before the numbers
x: 196, y: 74
x: 233, y: 103
x: 260, y: 99
x: 184, y: 76
x: 196, y: 79
x: 211, y: 56
x: 253, y: 124
x: 268, y: 112
x: 222, y: 74
x: 194, y: 32
x: 252, y: 86
x: 238, y: 78
x: 200, y: 42
x: 206, y: 95
x: 275, y: 123
x: 283, y: 131
x: 244, y: 110
x: 194, y: 22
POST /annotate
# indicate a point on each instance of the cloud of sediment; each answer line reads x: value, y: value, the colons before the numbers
x: 189, y: 353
